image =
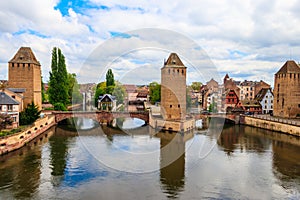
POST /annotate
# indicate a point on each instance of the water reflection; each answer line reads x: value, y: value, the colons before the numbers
x: 256, y: 161
x: 172, y: 163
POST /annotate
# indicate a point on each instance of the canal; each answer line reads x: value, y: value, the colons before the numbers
x: 100, y: 162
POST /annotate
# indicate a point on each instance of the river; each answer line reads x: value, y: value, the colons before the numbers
x: 105, y: 163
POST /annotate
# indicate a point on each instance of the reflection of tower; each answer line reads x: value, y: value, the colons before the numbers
x: 173, y: 88
x: 172, y: 163
x: 24, y: 71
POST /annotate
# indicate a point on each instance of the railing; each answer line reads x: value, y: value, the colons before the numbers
x: 277, y: 119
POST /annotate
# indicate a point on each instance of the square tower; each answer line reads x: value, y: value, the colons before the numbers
x: 173, y: 89
x: 24, y: 71
x: 287, y: 90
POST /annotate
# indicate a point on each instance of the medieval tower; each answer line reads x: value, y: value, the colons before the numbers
x: 24, y: 71
x: 173, y: 89
x: 287, y: 90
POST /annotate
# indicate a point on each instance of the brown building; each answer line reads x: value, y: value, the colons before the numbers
x: 287, y: 90
x: 250, y: 106
x: 24, y: 71
x: 173, y: 89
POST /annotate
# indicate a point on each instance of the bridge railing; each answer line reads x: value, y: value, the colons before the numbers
x: 294, y: 122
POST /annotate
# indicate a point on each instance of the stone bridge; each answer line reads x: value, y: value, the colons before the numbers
x: 100, y: 116
x: 229, y: 117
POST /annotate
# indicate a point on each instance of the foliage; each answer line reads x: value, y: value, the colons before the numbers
x: 188, y: 99
x: 119, y: 92
x: 154, y: 90
x: 60, y: 106
x: 44, y: 97
x: 58, y: 83
x: 5, y: 120
x: 100, y: 90
x: 30, y: 114
x: 110, y: 81
x: 73, y: 89
x: 196, y: 85
x: 110, y: 87
x: 213, y: 107
x: 10, y: 132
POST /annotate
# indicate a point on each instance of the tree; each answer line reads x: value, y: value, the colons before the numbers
x: 30, y: 114
x: 119, y: 92
x: 154, y: 90
x: 5, y: 120
x: 73, y: 89
x: 196, y: 85
x: 43, y: 91
x: 100, y: 91
x: 110, y: 81
x: 213, y: 107
x: 58, y: 83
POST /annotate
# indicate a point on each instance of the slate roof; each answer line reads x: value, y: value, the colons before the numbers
x: 17, y: 90
x: 174, y: 61
x: 7, y: 100
x: 289, y: 66
x: 260, y: 95
x: 24, y: 55
x: 110, y: 97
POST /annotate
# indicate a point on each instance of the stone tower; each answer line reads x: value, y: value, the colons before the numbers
x: 24, y: 71
x: 287, y: 90
x: 173, y: 89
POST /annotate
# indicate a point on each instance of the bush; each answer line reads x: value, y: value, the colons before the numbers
x: 60, y: 106
x: 29, y: 115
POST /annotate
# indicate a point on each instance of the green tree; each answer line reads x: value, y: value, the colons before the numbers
x: 5, y: 120
x: 119, y: 92
x: 196, y: 86
x: 73, y: 89
x: 30, y: 114
x: 43, y: 91
x: 154, y: 90
x: 110, y: 81
x: 58, y: 83
x: 188, y: 98
x: 100, y: 90
x: 213, y: 107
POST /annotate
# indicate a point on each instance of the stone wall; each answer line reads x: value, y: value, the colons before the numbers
x: 18, y: 140
x: 272, y: 125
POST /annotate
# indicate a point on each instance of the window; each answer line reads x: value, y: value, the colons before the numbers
x: 170, y: 106
x: 9, y: 107
x: 266, y: 101
x: 298, y: 105
x: 0, y: 108
x: 265, y: 107
x: 179, y: 105
x: 13, y: 96
x: 271, y: 101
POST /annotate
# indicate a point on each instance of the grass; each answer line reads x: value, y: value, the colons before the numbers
x: 12, y: 131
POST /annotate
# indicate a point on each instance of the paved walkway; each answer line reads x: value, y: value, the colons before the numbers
x: 295, y: 122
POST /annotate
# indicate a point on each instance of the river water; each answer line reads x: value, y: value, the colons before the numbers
x: 105, y: 163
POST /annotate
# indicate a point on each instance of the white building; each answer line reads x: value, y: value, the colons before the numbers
x: 265, y: 98
x: 10, y: 106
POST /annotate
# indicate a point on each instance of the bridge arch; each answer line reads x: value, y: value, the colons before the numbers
x: 100, y: 116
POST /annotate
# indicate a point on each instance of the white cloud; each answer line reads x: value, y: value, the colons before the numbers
x: 237, y: 35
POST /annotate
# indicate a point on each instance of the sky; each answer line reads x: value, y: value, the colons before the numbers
x: 249, y: 39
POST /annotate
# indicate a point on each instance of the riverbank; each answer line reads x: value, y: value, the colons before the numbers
x: 13, y: 142
x: 287, y: 126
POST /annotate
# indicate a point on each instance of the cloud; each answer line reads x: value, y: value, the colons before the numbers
x: 237, y: 35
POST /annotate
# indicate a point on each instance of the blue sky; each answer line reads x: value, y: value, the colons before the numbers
x: 247, y: 39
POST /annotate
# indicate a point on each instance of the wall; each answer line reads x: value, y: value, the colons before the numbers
x: 272, y: 125
x: 18, y: 140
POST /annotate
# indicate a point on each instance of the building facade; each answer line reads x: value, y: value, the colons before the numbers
x: 24, y: 71
x: 287, y: 90
x: 266, y: 98
x: 173, y: 89
x: 10, y: 106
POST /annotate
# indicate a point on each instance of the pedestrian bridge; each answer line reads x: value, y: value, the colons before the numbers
x: 229, y: 117
x: 100, y: 116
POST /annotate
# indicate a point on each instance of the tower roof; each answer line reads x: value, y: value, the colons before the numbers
x: 290, y: 66
x: 24, y: 55
x: 174, y: 61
